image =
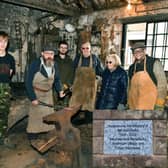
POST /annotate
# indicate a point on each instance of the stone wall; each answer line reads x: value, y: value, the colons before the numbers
x: 160, y: 139
x: 110, y: 22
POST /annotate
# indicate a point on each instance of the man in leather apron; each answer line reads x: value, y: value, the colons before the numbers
x: 148, y: 84
x: 42, y: 76
x: 84, y: 89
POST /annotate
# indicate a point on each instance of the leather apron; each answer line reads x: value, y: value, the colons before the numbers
x: 43, y: 89
x: 143, y: 91
x: 84, y: 87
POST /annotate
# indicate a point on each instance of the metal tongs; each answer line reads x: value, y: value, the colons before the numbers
x: 46, y: 104
x: 66, y: 92
x: 50, y: 105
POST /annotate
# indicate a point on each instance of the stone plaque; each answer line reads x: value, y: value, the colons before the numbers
x: 128, y: 137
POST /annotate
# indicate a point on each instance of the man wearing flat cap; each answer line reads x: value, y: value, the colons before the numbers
x: 148, y: 85
x: 42, y: 76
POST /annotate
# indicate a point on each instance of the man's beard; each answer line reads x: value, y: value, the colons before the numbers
x: 49, y: 62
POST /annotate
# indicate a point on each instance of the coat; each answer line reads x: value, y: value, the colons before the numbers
x: 113, y: 90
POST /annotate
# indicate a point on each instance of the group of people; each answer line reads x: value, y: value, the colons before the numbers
x: 142, y: 88
x: 147, y: 88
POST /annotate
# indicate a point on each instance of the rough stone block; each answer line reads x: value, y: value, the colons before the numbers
x: 118, y: 162
x: 136, y: 114
x: 98, y: 128
x: 159, y: 114
x: 160, y: 162
x: 101, y: 114
x: 115, y: 114
x: 160, y: 128
x: 142, y: 161
x: 98, y: 160
x: 147, y: 114
x: 98, y: 145
x: 160, y: 146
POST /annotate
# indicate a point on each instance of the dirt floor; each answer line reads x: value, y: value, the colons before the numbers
x: 18, y: 153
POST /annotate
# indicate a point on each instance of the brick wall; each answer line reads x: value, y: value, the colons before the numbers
x: 160, y: 139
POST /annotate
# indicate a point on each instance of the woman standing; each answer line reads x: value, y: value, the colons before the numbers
x: 113, y: 94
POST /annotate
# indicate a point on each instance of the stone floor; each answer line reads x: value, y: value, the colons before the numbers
x: 18, y: 153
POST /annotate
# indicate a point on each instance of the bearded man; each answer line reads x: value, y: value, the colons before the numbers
x: 87, y: 67
x: 41, y: 78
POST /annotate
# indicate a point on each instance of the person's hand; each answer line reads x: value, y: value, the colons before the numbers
x: 121, y: 107
x: 158, y: 107
x: 65, y: 86
x: 160, y: 103
x: 61, y: 94
x: 35, y: 102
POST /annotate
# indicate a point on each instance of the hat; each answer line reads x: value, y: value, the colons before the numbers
x: 138, y: 45
x: 48, y: 48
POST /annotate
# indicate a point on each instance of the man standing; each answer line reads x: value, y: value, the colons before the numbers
x: 84, y: 90
x: 42, y: 76
x: 66, y: 71
x: 7, y: 69
x: 148, y: 83
x: 87, y: 59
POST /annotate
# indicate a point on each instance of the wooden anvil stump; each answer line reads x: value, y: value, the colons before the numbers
x: 64, y: 137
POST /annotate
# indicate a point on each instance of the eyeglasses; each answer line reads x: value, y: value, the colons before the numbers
x: 85, y: 48
x: 64, y: 47
x: 109, y: 62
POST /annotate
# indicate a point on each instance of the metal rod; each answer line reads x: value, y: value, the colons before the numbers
x: 46, y: 104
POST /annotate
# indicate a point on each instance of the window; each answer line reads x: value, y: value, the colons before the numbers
x: 157, y: 41
x: 153, y: 34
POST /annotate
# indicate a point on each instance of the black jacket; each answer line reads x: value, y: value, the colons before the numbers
x: 113, y: 90
x: 66, y: 70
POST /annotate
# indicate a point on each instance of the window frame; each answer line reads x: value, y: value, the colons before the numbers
x: 148, y: 20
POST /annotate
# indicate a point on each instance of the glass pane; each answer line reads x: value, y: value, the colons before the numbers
x: 159, y: 40
x: 150, y: 28
x: 128, y: 58
x: 161, y: 27
x: 134, y: 33
x: 149, y: 40
x: 158, y: 52
x: 166, y: 65
x: 149, y: 51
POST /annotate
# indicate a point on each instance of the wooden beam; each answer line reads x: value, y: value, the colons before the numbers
x: 46, y: 5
